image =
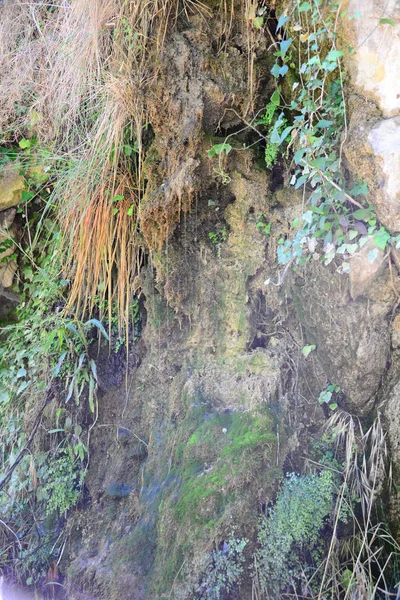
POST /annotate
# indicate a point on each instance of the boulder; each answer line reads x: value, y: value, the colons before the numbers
x: 351, y: 336
x: 12, y: 185
x: 372, y: 29
x: 365, y: 267
x: 372, y: 151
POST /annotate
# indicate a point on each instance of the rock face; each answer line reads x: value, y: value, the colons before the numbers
x: 372, y: 151
x: 11, y: 186
x: 365, y: 267
x: 373, y: 146
x: 352, y: 337
x: 374, y: 66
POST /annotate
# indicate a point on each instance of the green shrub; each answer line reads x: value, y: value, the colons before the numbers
x: 291, y: 531
x: 225, y: 570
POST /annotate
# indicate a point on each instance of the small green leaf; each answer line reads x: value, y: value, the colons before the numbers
x: 386, y: 21
x: 362, y: 214
x: 304, y: 7
x: 275, y: 71
x: 307, y: 349
x: 283, y: 70
x: 275, y: 98
x: 381, y: 238
x: 96, y: 323
x: 258, y: 22
x: 281, y: 22
x: 130, y: 210
x: 21, y: 373
x: 323, y: 124
x: 284, y: 46
x: 25, y: 144
x: 117, y: 198
x: 334, y: 55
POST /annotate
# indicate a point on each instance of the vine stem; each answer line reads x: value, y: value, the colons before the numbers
x: 335, y: 185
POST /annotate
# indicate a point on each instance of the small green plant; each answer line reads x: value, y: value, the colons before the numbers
x: 264, y: 224
x: 221, y: 151
x: 335, y: 222
x: 306, y: 350
x: 217, y: 238
x: 289, y: 535
x: 277, y: 130
x: 62, y: 487
x: 224, y: 570
x: 325, y: 396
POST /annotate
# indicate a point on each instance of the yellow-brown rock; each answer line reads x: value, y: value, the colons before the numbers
x: 11, y: 186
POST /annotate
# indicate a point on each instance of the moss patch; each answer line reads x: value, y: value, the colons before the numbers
x: 218, y: 458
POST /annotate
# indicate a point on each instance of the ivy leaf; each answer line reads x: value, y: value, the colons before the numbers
x: 284, y: 46
x: 381, y: 238
x: 363, y: 214
x: 275, y: 70
x: 298, y: 155
x: 323, y: 124
x: 281, y: 22
x: 333, y: 55
x: 276, y: 98
x: 21, y: 373
x: 360, y: 228
x: 372, y: 255
x: 218, y: 149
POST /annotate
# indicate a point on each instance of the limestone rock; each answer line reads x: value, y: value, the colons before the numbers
x: 385, y: 143
x: 7, y: 272
x: 365, y: 266
x: 352, y: 337
x: 11, y: 186
x: 7, y: 219
x: 372, y: 150
x: 396, y: 332
x: 374, y: 67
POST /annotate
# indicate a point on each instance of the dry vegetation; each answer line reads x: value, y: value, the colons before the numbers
x: 74, y: 74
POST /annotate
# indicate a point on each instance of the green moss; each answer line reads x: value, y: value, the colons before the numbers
x: 248, y: 432
x: 217, y: 457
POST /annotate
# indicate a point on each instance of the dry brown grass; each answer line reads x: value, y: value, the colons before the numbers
x: 75, y: 73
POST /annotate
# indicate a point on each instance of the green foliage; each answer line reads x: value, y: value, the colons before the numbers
x: 224, y: 570
x: 330, y: 226
x: 307, y: 349
x: 289, y: 536
x: 264, y: 224
x: 325, y: 396
x: 221, y: 151
x: 62, y: 486
x: 218, y: 238
x: 44, y: 352
x: 277, y: 130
